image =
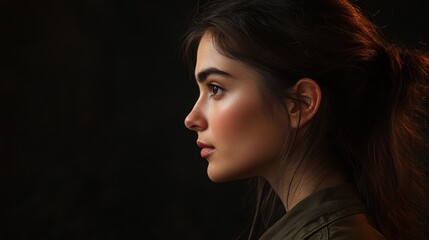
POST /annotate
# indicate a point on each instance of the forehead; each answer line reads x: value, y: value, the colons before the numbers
x: 209, y: 57
x: 207, y: 54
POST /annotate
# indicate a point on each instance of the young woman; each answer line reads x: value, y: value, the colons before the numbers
x: 309, y: 98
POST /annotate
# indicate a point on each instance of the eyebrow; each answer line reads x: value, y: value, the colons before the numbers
x: 204, y: 74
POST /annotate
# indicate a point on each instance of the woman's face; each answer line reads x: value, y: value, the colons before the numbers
x: 237, y: 136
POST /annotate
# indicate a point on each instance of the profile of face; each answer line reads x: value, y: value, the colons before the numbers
x: 238, y: 137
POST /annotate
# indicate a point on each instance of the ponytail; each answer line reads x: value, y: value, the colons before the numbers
x: 392, y: 181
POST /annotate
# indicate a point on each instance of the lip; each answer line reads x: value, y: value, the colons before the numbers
x: 205, y: 152
x: 206, y: 149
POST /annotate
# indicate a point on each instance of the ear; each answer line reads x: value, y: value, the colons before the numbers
x: 305, y: 103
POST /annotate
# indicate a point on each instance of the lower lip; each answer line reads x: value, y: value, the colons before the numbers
x: 205, y: 152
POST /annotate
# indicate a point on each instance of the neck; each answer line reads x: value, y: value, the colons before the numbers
x: 301, y: 186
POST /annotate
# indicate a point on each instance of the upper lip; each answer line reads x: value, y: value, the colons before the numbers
x: 203, y: 145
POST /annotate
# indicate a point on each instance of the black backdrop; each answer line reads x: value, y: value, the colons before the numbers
x: 93, y: 95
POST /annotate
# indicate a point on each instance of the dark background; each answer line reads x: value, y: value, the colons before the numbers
x: 92, y: 143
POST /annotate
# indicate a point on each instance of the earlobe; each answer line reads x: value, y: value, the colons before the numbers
x: 305, y: 103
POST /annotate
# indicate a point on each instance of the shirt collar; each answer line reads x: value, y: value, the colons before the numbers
x: 315, y: 211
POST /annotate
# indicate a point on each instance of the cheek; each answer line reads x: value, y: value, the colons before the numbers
x: 233, y: 120
x: 245, y: 136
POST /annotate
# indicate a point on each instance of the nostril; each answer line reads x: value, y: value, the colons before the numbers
x: 194, y: 124
x: 189, y: 123
x: 196, y: 120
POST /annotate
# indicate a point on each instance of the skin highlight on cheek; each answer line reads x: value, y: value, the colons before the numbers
x: 250, y: 138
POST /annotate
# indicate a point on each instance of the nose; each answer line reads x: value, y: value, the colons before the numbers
x: 195, y: 120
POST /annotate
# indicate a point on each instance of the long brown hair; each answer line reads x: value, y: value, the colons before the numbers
x: 371, y: 121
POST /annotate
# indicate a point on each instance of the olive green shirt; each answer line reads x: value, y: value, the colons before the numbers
x: 334, y: 213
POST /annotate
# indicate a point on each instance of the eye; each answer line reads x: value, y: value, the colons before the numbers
x: 214, y: 89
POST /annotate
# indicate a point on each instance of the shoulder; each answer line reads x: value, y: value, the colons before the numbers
x: 351, y: 227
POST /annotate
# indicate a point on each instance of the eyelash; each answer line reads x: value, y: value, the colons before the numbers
x: 214, y: 89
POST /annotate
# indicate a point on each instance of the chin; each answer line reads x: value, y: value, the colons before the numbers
x: 217, y: 178
x: 221, y: 175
